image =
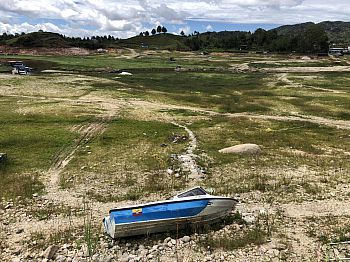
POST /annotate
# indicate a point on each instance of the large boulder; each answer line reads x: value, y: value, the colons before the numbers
x: 248, y: 149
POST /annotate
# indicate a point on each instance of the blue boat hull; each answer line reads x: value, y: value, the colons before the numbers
x: 166, y: 216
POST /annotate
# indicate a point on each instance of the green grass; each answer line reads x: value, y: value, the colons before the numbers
x: 129, y: 155
x: 50, y: 211
x: 256, y: 234
x: 229, y: 174
x: 31, y: 141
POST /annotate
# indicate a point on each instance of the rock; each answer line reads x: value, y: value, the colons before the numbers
x: 60, y: 258
x: 85, y: 251
x: 50, y: 251
x: 125, y: 73
x: 305, y: 58
x: 19, y: 231
x: 273, y: 252
x: 248, y: 218
x: 124, y: 258
x: 17, y: 251
x: 185, y: 239
x: 248, y: 149
x: 167, y: 239
x: 281, y: 246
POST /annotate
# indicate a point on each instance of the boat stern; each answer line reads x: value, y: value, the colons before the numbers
x: 109, y: 226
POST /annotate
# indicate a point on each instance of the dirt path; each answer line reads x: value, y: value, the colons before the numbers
x: 318, y: 208
x: 283, y: 77
x: 88, y: 132
x: 306, y: 69
x: 341, y: 124
x: 188, y: 159
x: 132, y: 54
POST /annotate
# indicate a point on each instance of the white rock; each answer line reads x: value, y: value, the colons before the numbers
x: 186, y: 239
x: 167, y: 239
x: 249, y: 149
x: 125, y: 74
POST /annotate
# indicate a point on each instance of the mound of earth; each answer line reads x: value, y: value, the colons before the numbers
x: 249, y: 149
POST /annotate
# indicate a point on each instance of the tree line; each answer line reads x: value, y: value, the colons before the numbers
x: 154, y: 31
x: 311, y: 40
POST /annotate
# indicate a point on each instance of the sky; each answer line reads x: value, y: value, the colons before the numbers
x: 130, y: 17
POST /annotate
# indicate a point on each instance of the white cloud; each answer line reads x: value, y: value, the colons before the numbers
x: 209, y: 28
x: 185, y: 29
x: 124, y: 18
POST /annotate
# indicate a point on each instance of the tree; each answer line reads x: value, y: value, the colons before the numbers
x: 182, y: 33
x: 153, y: 31
x: 146, y: 33
x: 164, y: 30
x: 159, y: 29
x: 141, y: 34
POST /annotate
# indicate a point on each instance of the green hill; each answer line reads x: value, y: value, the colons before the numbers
x: 338, y: 32
x: 39, y: 39
x: 159, y: 41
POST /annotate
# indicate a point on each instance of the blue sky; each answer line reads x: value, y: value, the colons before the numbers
x: 129, y: 18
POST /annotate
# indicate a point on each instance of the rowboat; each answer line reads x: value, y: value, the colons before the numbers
x: 194, y: 207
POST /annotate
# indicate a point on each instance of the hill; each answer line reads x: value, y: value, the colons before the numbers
x: 39, y: 39
x: 159, y: 41
x: 338, y: 32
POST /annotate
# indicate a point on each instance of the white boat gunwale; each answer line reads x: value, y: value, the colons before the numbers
x: 176, y: 199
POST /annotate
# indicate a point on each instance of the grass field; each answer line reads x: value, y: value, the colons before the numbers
x: 109, y: 139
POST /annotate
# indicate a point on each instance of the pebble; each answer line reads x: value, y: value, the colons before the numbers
x: 19, y: 231
x: 50, y: 251
x: 185, y: 239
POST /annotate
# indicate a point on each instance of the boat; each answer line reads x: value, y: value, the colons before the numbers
x: 194, y: 207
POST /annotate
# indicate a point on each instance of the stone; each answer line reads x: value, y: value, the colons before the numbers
x: 19, y: 231
x: 185, y: 239
x: 247, y: 149
x: 124, y: 258
x: 60, y: 258
x: 50, y: 251
x: 249, y: 220
x: 281, y: 246
x: 272, y: 252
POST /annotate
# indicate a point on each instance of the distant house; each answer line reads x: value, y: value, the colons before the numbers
x: 339, y: 49
x: 144, y: 45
